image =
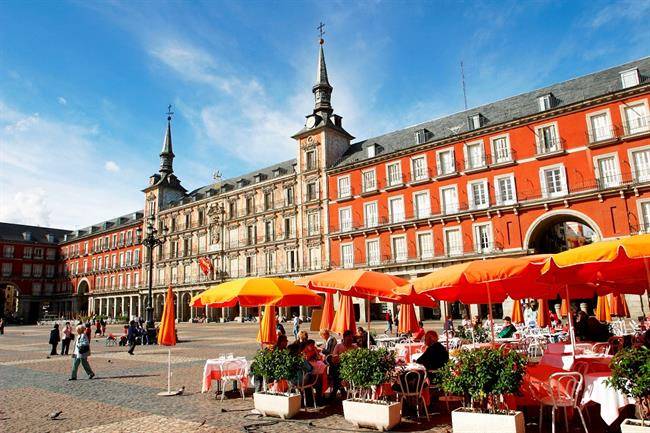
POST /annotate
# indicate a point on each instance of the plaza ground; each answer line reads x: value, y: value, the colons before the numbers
x: 122, y: 398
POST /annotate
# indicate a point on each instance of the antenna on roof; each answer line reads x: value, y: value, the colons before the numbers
x: 462, y: 75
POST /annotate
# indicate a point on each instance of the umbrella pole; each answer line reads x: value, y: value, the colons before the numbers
x: 368, y: 320
x: 169, y: 370
x: 572, y: 334
x: 490, y: 312
x: 445, y: 324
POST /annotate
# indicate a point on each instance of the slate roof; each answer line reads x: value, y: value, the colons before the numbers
x: 104, y: 226
x: 523, y: 105
x: 14, y: 233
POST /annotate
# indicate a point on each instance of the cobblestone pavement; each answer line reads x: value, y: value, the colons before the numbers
x: 122, y: 398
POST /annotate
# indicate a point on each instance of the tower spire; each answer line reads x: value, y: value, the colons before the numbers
x: 322, y: 89
x: 167, y: 154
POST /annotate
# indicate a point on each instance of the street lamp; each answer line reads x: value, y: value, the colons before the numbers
x: 150, y: 241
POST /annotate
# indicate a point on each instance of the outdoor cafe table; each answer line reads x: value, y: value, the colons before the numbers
x: 406, y: 350
x: 387, y: 341
x: 213, y: 370
x: 598, y: 391
x: 387, y: 388
x: 565, y: 360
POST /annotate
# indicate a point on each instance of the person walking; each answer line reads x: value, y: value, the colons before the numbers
x: 296, y: 326
x: 2, y: 326
x: 80, y: 354
x: 389, y: 322
x: 55, y: 337
x: 68, y: 336
x: 131, y: 335
x: 102, y: 323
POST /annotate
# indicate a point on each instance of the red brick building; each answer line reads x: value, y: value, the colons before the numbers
x: 535, y: 173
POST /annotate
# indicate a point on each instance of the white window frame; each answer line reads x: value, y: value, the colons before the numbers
x: 378, y: 261
x: 459, y: 229
x: 342, y: 193
x: 631, y: 104
x: 563, y: 177
x: 366, y: 222
x: 400, y: 180
x: 439, y: 166
x: 391, y: 217
x: 498, y: 200
x: 643, y: 177
x: 364, y: 186
x: 592, y: 134
x: 544, y: 102
x: 539, y: 142
x: 393, y: 251
x: 343, y: 261
x: 423, y: 176
x: 443, y: 204
x: 416, y: 210
x: 596, y: 162
x: 483, y: 163
x: 470, y: 194
x: 629, y: 73
x: 347, y: 227
x: 493, y: 148
x: 420, y: 254
x: 644, y: 226
x: 490, y: 248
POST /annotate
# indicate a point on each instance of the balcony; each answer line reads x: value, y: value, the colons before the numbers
x: 476, y: 163
x: 501, y: 159
x: 638, y: 126
x: 420, y: 175
x: 345, y: 194
x: 547, y: 148
x: 369, y: 188
x: 394, y: 181
x: 445, y: 172
x: 602, y: 136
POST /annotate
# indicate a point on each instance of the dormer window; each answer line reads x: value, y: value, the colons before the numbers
x: 476, y: 121
x: 372, y: 150
x: 630, y: 78
x: 545, y: 102
x: 421, y: 136
x: 258, y: 177
x: 27, y: 236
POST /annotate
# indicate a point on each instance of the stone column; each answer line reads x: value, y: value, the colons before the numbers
x: 101, y: 305
x: 114, y: 307
x: 362, y: 311
x: 224, y: 312
x: 123, y: 302
x: 130, y: 307
x: 139, y: 299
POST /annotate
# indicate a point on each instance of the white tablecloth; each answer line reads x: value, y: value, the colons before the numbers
x: 406, y: 350
x: 611, y: 401
x: 565, y: 360
x: 213, y: 370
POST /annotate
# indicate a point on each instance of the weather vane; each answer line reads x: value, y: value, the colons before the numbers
x: 170, y: 113
x: 321, y: 32
x: 217, y: 176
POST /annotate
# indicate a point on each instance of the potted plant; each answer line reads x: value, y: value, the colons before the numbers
x: 631, y: 376
x: 473, y: 334
x: 365, y: 370
x: 276, y: 368
x: 483, y: 377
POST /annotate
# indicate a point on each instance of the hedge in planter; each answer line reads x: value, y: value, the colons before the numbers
x: 276, y: 365
x: 482, y: 376
x: 631, y: 376
x: 365, y: 369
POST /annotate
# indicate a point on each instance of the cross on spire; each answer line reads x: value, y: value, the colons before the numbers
x: 169, y: 113
x: 321, y: 32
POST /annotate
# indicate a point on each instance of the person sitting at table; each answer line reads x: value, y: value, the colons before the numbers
x: 476, y: 322
x: 302, y: 337
x: 362, y: 338
x: 279, y: 329
x: 449, y: 324
x: 330, y: 342
x: 466, y: 322
x: 435, y: 356
x: 347, y: 343
x: 508, y: 328
x: 419, y: 334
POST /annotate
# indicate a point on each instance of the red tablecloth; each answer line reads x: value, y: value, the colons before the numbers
x: 533, y: 385
x: 406, y: 350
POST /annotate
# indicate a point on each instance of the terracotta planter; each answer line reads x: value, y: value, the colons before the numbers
x: 474, y: 422
x: 372, y: 414
x: 282, y: 406
x: 634, y: 426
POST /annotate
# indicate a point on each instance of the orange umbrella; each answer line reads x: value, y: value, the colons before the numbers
x: 618, y: 305
x: 167, y: 336
x: 327, y: 318
x: 267, y: 333
x: 564, y: 308
x: 344, y: 319
x: 602, y: 312
x: 408, y: 321
x: 543, y: 315
x: 354, y: 282
x: 517, y: 312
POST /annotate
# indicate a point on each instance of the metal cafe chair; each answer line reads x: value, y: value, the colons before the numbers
x: 562, y: 390
x: 232, y: 371
x: 412, y: 385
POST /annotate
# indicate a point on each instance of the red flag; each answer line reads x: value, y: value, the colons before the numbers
x: 206, y: 265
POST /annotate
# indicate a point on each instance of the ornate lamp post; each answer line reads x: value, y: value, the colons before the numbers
x: 150, y: 241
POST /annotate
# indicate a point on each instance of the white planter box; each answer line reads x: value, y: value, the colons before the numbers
x: 277, y: 405
x: 375, y: 415
x: 634, y: 426
x: 473, y: 422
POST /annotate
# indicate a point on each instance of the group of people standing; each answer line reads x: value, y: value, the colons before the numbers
x: 81, y: 349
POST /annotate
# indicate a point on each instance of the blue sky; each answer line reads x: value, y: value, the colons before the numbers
x: 85, y: 85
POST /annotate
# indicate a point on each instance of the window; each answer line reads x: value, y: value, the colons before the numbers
x: 501, y: 150
x: 629, y: 78
x: 292, y: 261
x: 644, y: 218
x: 396, y: 208
x: 369, y: 181
x: 547, y: 141
x: 344, y: 186
x: 373, y: 256
x: 421, y: 136
x: 505, y: 189
x: 250, y: 205
x: 288, y: 196
x: 314, y: 258
x: 289, y: 227
x: 233, y: 238
x: 641, y: 164
x: 49, y: 271
x: 553, y: 181
x: 607, y: 171
x: 268, y: 200
x: 313, y: 223
x: 232, y: 209
x: 347, y: 256
x: 203, y: 243
x: 370, y: 216
x: 449, y: 198
x: 400, y: 253
x: 345, y: 219
x: 51, y: 254
x: 128, y: 281
x: 99, y: 262
x: 201, y: 218
x: 250, y: 265
x: 636, y: 118
x: 120, y: 279
x: 36, y: 288
x: 425, y: 245
x: 419, y: 168
x: 38, y: 253
x: 600, y: 127
x: 174, y: 278
x: 453, y: 242
x: 8, y: 251
x: 161, y: 277
x: 482, y: 238
x: 478, y: 194
x: 446, y: 162
x: 545, y: 102
x: 310, y: 160
x: 475, y: 121
x: 27, y: 252
x: 268, y: 230
x: 371, y: 151
x: 474, y: 156
x: 422, y: 204
x: 269, y: 262
x: 234, y: 267
x: 136, y: 257
x: 312, y: 191
x: 122, y: 262
x: 394, y: 174
x: 6, y: 269
x: 187, y: 273
x: 251, y: 234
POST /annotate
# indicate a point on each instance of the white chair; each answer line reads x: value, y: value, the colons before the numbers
x: 235, y: 372
x: 562, y: 390
x: 307, y: 383
x: 601, y: 348
x: 412, y: 384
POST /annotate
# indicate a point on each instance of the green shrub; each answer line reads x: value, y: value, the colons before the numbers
x: 631, y: 376
x: 365, y: 368
x: 274, y: 365
x: 482, y: 375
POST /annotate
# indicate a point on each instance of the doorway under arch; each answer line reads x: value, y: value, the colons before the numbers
x: 558, y: 231
x: 82, y: 296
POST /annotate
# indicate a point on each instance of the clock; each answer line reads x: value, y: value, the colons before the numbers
x: 311, y: 121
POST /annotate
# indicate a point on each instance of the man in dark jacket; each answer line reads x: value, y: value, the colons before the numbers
x: 435, y: 356
x: 131, y: 335
x: 55, y: 337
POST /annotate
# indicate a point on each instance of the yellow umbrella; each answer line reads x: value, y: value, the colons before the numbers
x: 268, y: 333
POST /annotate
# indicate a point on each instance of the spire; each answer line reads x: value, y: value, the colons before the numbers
x: 322, y: 89
x: 167, y: 154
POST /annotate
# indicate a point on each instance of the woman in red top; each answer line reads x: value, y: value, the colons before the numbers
x: 419, y: 335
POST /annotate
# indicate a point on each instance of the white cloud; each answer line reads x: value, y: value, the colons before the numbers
x: 111, y: 166
x: 25, y: 207
x: 62, y: 100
